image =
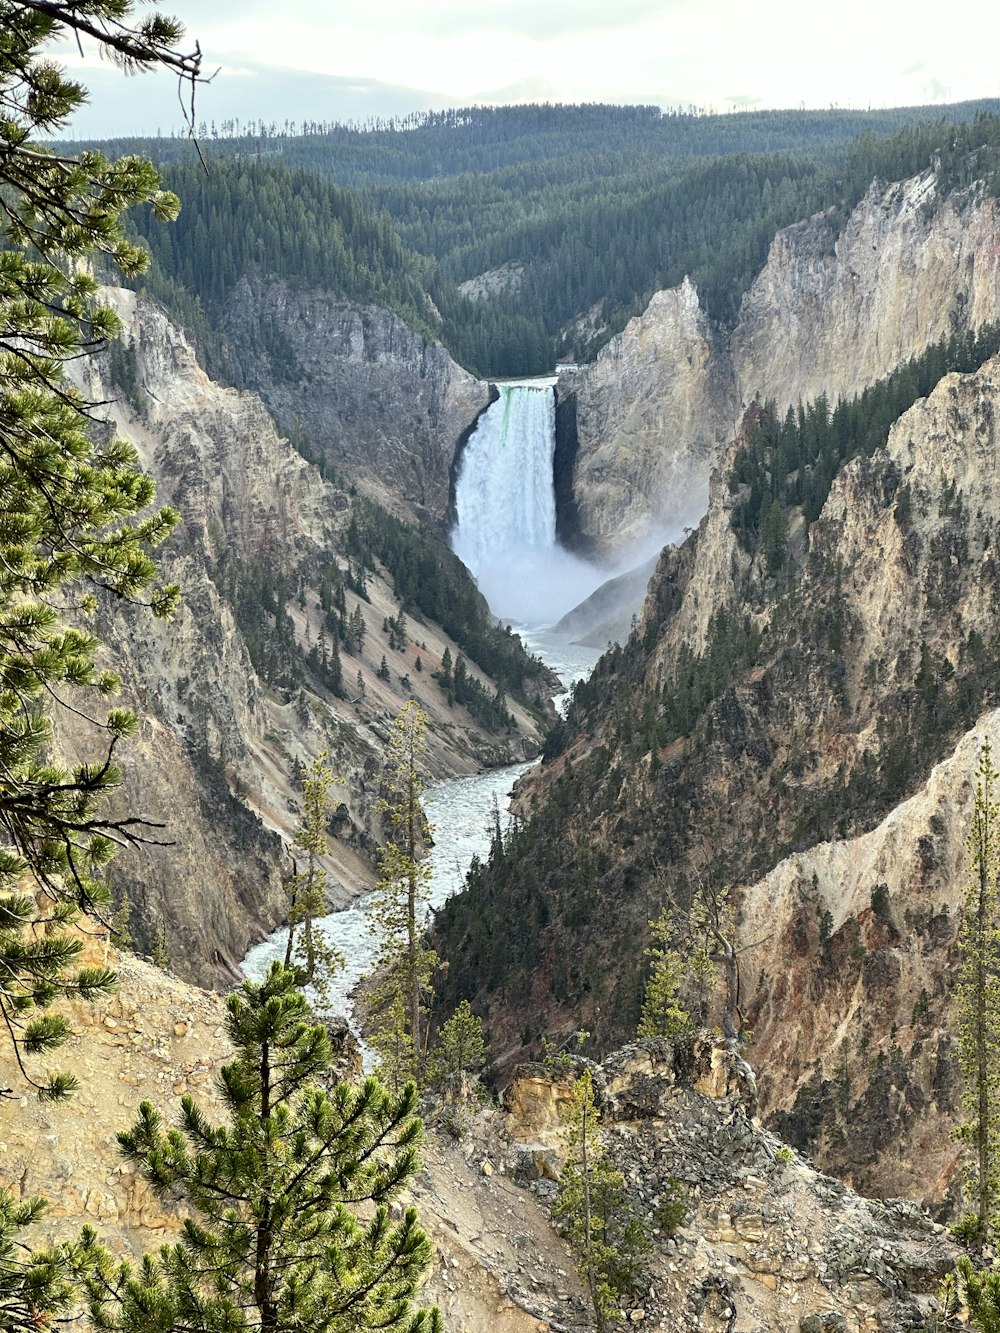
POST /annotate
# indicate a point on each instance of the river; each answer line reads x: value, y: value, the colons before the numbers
x: 460, y: 811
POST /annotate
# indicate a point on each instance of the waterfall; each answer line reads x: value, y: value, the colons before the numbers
x: 504, y: 495
x: 506, y: 509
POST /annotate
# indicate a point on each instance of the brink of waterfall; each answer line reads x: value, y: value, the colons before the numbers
x: 506, y: 510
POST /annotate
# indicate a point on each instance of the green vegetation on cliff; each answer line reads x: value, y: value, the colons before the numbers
x: 429, y: 578
x: 263, y: 218
x: 794, y: 461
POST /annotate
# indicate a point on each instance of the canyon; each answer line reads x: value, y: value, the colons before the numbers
x: 820, y: 791
x: 220, y: 749
x: 228, y: 746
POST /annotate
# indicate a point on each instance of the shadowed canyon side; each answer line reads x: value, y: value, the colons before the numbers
x: 753, y: 716
x: 254, y: 676
x: 379, y: 403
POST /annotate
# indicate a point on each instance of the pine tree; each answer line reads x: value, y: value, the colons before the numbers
x: 37, y: 1287
x: 356, y: 630
x: 981, y: 1293
x: 159, y: 954
x: 119, y: 924
x: 460, y: 1050
x: 774, y: 537
x: 315, y: 958
x: 445, y: 673
x: 979, y: 998
x: 663, y: 1015
x: 593, y: 1213
x: 404, y: 965
x: 70, y: 519
x: 274, y: 1241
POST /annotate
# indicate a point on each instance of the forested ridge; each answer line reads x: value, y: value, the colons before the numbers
x: 488, y: 139
x: 586, y: 211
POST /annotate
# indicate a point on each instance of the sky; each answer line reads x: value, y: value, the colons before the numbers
x: 350, y: 59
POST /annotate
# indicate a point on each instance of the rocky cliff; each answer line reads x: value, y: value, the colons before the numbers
x: 225, y: 731
x: 378, y: 402
x: 752, y: 717
x: 652, y: 413
x: 835, y: 308
x: 832, y: 312
x: 764, y: 1239
x: 850, y: 971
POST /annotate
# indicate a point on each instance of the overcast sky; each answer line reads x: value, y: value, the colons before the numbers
x: 306, y: 59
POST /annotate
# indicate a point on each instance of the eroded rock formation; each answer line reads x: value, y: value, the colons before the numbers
x: 383, y: 405
x: 832, y: 311
x: 652, y: 412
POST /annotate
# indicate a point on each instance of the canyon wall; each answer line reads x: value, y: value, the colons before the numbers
x: 378, y: 402
x: 834, y: 312
x: 817, y: 700
x: 220, y: 754
x: 830, y: 313
x: 652, y: 412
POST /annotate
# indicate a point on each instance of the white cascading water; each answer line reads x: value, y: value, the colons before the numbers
x: 506, y: 510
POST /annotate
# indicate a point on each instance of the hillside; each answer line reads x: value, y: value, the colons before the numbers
x: 290, y: 581
x: 759, y: 710
x: 571, y: 218
x: 764, y: 1237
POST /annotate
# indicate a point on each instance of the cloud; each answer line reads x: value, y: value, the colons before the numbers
x: 147, y: 104
x: 358, y: 58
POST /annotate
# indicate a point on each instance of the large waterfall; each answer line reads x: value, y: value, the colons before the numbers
x: 505, y: 504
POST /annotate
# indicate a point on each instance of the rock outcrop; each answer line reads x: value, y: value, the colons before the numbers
x: 765, y: 1241
x: 378, y: 402
x: 832, y: 313
x: 652, y: 412
x: 855, y: 1033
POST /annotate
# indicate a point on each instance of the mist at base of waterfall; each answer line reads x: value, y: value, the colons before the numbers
x: 505, y: 532
x: 505, y: 506
x: 533, y: 587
